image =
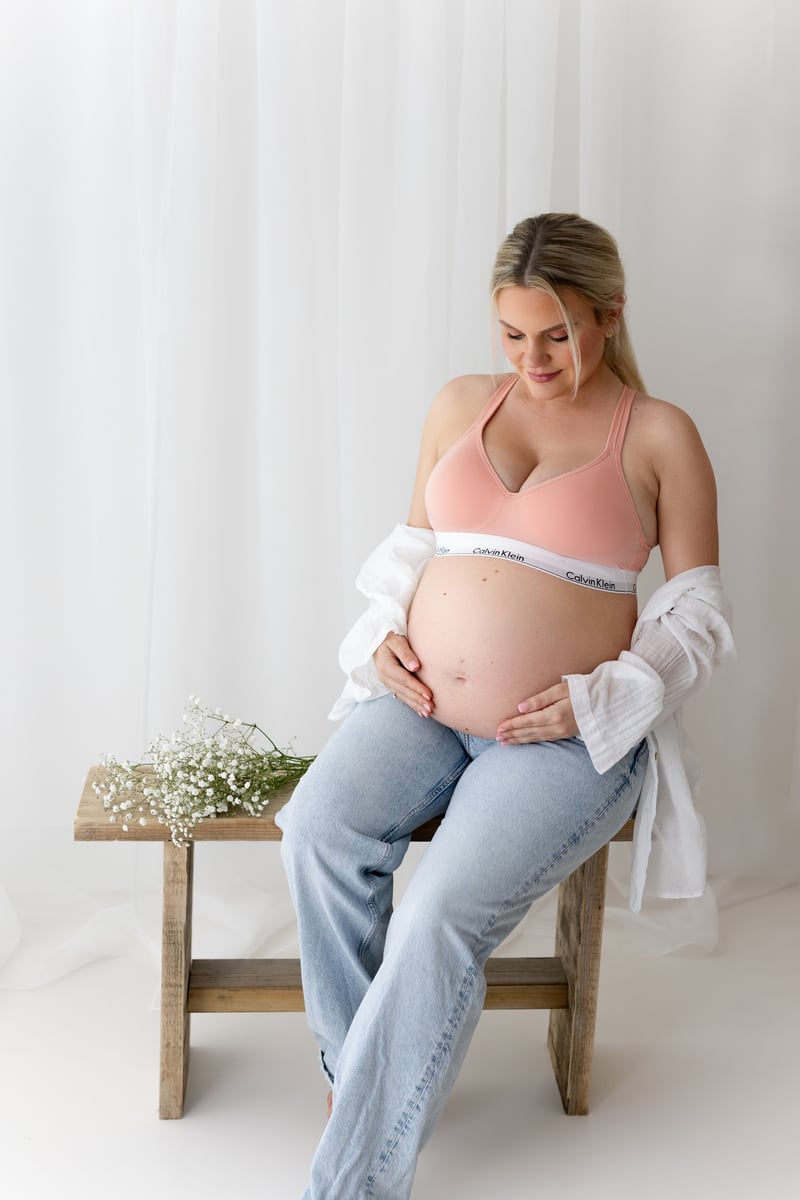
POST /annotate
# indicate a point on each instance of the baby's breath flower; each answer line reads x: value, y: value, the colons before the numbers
x: 175, y: 785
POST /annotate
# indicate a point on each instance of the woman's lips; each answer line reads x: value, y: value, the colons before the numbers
x: 541, y: 378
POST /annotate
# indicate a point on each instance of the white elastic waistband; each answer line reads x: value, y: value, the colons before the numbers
x: 574, y: 570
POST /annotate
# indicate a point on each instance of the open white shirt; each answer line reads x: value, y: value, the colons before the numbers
x: 682, y: 633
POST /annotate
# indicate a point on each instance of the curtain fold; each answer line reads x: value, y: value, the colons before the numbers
x: 241, y: 248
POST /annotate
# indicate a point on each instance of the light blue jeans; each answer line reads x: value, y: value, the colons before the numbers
x: 393, y: 998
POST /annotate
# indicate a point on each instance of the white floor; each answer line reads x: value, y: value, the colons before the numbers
x: 694, y: 1089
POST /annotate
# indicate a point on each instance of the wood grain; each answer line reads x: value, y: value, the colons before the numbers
x: 274, y: 985
x: 176, y: 960
x: 579, y: 934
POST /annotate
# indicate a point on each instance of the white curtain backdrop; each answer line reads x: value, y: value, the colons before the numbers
x: 242, y: 245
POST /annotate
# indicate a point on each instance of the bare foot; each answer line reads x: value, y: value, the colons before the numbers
x: 330, y: 1104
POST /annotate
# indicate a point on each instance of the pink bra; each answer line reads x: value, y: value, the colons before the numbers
x: 583, y: 522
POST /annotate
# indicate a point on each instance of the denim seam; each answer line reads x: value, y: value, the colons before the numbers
x: 412, y: 1106
x: 431, y: 796
x: 371, y: 906
x: 578, y: 836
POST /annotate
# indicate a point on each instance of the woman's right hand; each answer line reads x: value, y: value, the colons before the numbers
x: 396, y: 664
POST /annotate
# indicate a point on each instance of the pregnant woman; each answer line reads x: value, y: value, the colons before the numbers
x: 501, y: 677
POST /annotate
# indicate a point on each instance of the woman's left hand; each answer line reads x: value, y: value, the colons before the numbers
x: 547, y: 717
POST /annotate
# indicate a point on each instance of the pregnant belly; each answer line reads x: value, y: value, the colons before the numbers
x: 491, y: 634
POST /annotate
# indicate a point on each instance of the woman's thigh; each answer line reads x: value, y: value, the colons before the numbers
x: 521, y: 819
x: 385, y: 771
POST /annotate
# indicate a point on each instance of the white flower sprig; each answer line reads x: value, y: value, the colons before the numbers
x: 219, y: 765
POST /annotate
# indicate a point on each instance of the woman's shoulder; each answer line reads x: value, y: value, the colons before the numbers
x: 662, y: 424
x: 666, y: 444
x: 456, y: 405
x: 466, y: 396
x: 468, y: 387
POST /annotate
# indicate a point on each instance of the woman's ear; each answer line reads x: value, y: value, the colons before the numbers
x: 614, y: 314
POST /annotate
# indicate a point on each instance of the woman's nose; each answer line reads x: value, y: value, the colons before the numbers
x: 535, y: 354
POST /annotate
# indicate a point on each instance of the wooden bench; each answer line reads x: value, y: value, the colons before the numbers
x: 565, y: 983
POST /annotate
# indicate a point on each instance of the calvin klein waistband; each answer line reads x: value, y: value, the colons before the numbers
x: 573, y: 570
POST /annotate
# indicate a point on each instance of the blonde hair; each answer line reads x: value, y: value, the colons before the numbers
x: 557, y: 252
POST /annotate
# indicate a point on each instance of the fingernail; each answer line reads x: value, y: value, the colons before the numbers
x: 523, y: 708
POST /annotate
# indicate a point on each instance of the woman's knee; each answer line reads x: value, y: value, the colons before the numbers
x: 326, y: 816
x: 307, y: 817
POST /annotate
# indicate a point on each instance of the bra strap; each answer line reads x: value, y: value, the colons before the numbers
x: 493, y: 403
x: 619, y: 425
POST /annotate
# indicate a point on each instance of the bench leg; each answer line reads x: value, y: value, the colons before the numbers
x: 176, y: 961
x: 579, y: 933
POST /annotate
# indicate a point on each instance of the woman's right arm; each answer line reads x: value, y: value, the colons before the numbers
x: 452, y: 411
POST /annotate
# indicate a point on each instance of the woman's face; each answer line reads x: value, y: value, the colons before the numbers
x: 536, y: 344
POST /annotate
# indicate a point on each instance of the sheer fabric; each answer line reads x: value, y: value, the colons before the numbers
x: 242, y: 246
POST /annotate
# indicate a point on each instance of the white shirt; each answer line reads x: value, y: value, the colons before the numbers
x: 681, y: 634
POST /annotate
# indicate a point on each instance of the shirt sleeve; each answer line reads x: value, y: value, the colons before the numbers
x: 389, y: 579
x: 679, y: 638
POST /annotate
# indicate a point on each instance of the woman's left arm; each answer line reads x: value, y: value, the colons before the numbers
x: 686, y: 505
